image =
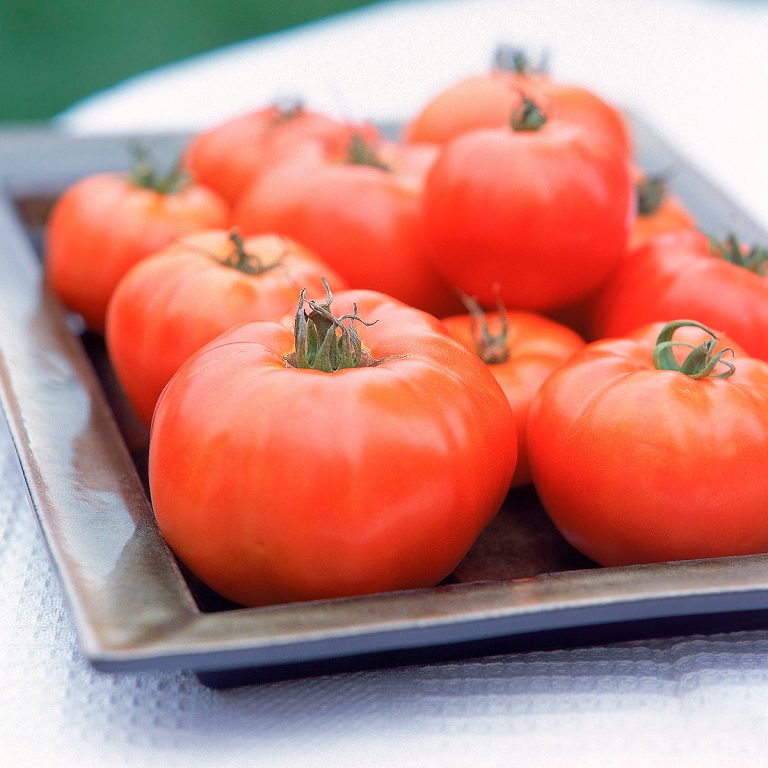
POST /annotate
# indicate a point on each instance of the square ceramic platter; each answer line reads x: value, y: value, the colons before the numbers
x: 133, y: 605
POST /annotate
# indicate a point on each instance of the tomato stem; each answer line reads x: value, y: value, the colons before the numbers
x: 361, y: 152
x: 145, y: 175
x: 755, y: 259
x: 492, y: 348
x: 651, y: 192
x: 528, y: 116
x: 701, y: 361
x: 512, y: 58
x: 287, y: 109
x: 323, y: 342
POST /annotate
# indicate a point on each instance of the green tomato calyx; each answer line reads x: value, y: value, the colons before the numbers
x: 246, y: 261
x: 527, y: 117
x: 362, y: 152
x: 287, y: 109
x: 651, y: 192
x: 701, y: 362
x: 325, y: 342
x: 755, y: 259
x: 145, y: 175
x: 491, y: 347
x: 512, y: 58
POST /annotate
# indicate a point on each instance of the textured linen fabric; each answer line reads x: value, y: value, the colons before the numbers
x: 684, y: 701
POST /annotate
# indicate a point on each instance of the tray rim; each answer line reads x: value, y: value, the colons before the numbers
x: 164, y: 629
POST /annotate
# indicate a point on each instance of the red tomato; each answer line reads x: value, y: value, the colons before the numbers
x: 658, y: 211
x: 232, y: 155
x: 373, y: 471
x: 521, y: 350
x: 639, y: 458
x: 486, y: 101
x: 104, y: 224
x: 360, y: 211
x: 540, y: 208
x: 681, y: 274
x: 170, y: 305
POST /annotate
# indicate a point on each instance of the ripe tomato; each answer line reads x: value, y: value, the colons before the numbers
x: 104, y: 224
x: 658, y: 211
x: 486, y: 101
x: 682, y: 274
x: 360, y: 211
x: 639, y: 458
x: 375, y: 470
x: 539, y: 207
x: 521, y: 350
x: 170, y: 305
x: 232, y: 155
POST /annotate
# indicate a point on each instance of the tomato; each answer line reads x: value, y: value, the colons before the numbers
x: 104, y: 224
x: 360, y: 211
x: 521, y: 350
x: 658, y: 211
x: 170, y: 305
x: 233, y: 154
x: 375, y: 470
x: 539, y: 207
x: 682, y: 274
x: 639, y: 458
x: 480, y: 101
x: 486, y: 101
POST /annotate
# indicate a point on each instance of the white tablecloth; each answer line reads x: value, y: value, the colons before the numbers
x: 683, y: 701
x: 699, y: 70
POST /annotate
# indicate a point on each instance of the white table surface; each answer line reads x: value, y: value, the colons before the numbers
x: 698, y: 70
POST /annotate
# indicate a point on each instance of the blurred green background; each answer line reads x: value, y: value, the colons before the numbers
x: 54, y: 53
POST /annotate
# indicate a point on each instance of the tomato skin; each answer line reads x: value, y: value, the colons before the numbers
x: 676, y: 275
x: 298, y: 484
x: 581, y: 106
x: 487, y: 101
x: 170, y: 305
x: 671, y: 216
x: 637, y: 465
x: 477, y: 102
x: 545, y: 214
x: 537, y: 346
x: 232, y: 155
x: 104, y: 224
x: 363, y: 221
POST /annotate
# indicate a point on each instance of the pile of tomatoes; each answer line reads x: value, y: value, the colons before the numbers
x: 348, y: 348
